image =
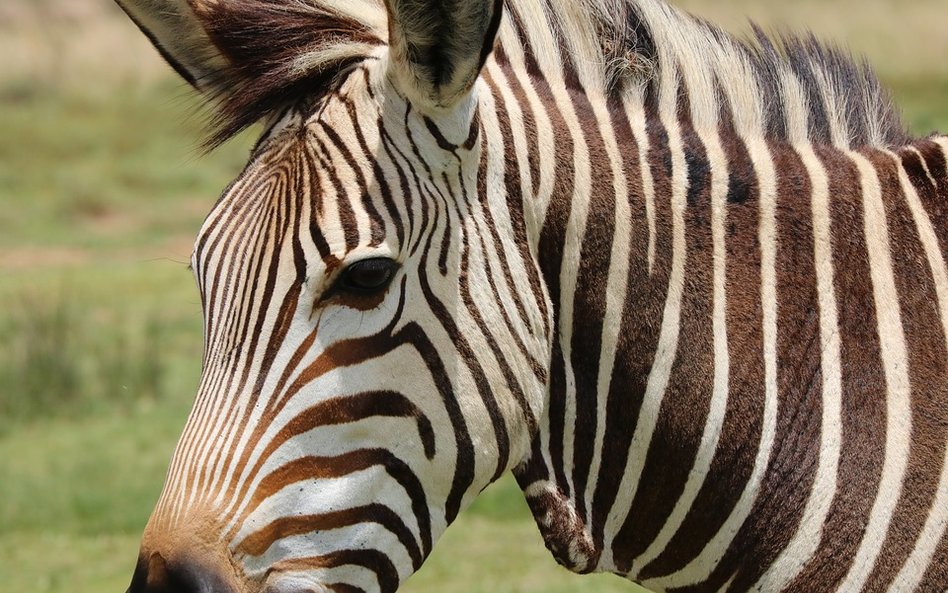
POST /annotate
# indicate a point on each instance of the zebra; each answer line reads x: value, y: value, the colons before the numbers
x: 689, y: 288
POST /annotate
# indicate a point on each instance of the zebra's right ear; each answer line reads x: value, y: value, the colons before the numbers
x: 438, y: 47
x: 175, y: 29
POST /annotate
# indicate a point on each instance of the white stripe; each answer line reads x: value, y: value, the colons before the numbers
x: 617, y: 285
x: 719, y: 392
x: 636, y: 117
x: 836, y: 113
x: 894, y: 352
x: 549, y: 62
x: 936, y: 523
x: 668, y: 335
x: 809, y: 532
x: 546, y: 157
x: 796, y: 117
x: 704, y: 563
x: 568, y: 280
x: 534, y: 331
x: 576, y: 30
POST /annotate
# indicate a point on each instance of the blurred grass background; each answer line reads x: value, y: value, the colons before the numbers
x: 103, y: 189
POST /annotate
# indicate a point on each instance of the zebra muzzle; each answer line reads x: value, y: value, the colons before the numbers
x: 156, y: 574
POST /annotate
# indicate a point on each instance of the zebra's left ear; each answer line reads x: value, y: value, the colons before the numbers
x: 438, y: 47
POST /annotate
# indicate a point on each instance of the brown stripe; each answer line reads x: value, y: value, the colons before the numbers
x: 737, y: 449
x: 935, y: 159
x: 863, y: 382
x: 928, y: 374
x: 935, y: 199
x: 777, y: 511
x: 344, y: 410
x: 360, y: 197
x: 589, y: 300
x: 550, y: 257
x: 937, y: 574
x: 372, y: 560
x: 347, y: 219
x: 258, y: 542
x: 677, y: 437
x: 638, y: 332
x: 310, y: 468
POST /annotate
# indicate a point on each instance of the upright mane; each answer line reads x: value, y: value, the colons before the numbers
x: 790, y: 88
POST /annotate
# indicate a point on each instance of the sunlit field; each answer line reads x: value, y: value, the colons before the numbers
x: 103, y: 187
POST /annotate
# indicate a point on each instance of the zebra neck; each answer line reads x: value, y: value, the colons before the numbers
x: 611, y: 196
x: 634, y: 206
x: 659, y: 455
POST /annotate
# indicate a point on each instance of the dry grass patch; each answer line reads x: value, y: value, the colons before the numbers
x: 49, y: 45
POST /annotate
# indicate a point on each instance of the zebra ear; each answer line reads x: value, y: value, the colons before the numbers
x: 176, y: 31
x: 438, y: 47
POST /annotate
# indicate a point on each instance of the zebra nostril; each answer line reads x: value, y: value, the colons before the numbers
x: 154, y: 574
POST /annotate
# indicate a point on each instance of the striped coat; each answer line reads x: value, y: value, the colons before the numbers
x: 691, y: 290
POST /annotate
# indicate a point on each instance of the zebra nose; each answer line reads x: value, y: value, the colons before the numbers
x: 155, y: 574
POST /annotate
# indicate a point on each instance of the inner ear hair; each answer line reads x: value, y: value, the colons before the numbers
x: 438, y: 47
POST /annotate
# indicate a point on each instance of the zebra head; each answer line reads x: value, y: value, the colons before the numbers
x: 376, y: 340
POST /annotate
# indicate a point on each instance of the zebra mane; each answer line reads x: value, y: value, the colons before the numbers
x: 282, y: 51
x: 789, y: 88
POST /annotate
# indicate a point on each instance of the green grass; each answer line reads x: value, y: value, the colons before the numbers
x: 924, y: 103
x: 77, y: 345
x: 58, y: 363
x: 106, y: 170
x: 101, y: 339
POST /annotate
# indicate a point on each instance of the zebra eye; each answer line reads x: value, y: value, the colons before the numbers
x: 367, y: 276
